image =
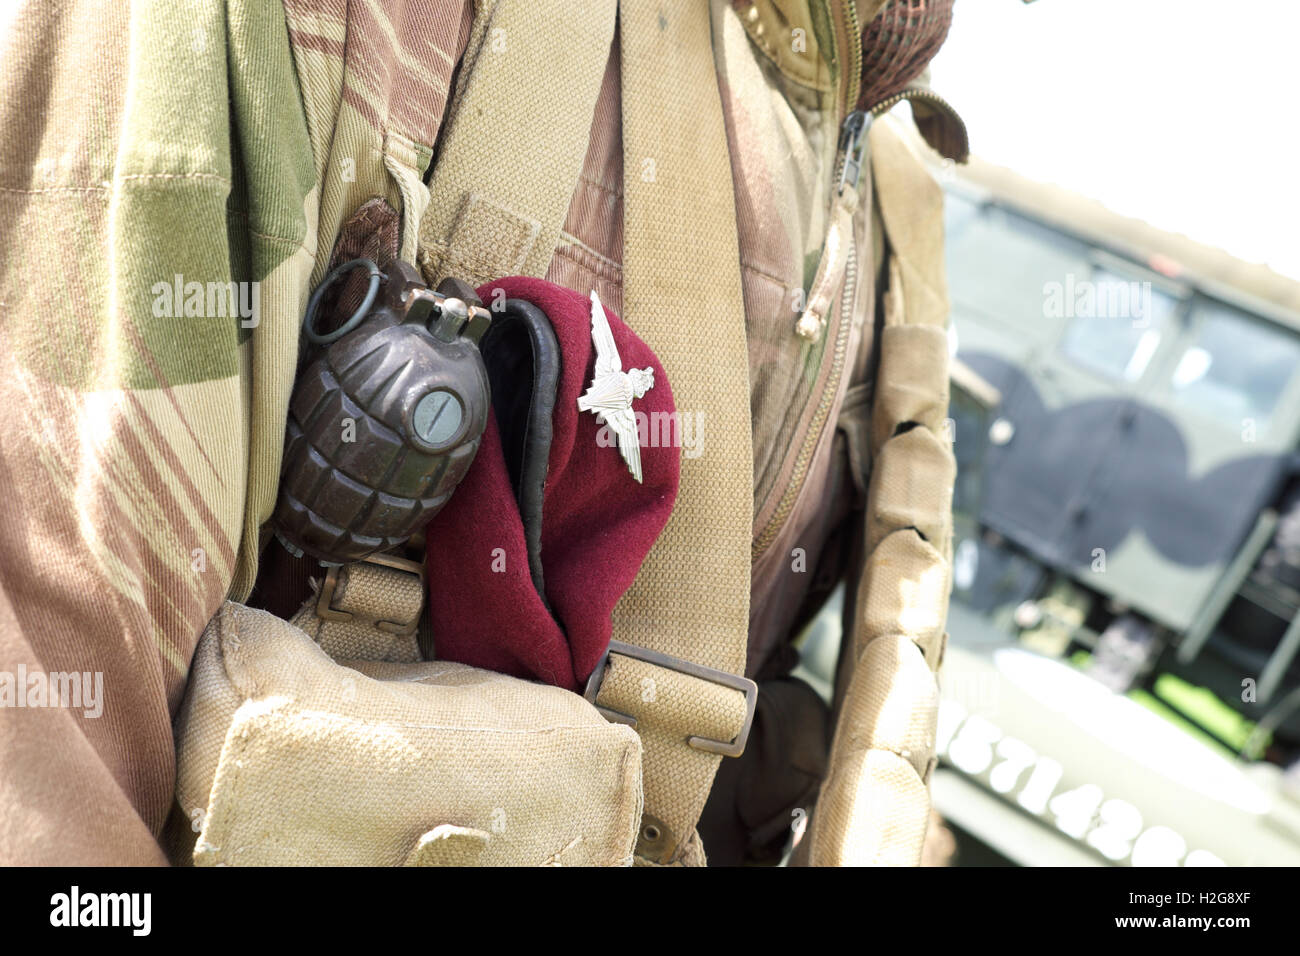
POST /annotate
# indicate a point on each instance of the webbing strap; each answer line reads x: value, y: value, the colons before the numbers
x: 682, y: 295
x: 513, y: 150
x: 875, y: 802
x: 367, y: 610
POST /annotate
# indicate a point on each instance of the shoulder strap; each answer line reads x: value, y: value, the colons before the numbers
x: 874, y: 804
x: 512, y: 152
x: 682, y: 627
x: 498, y: 198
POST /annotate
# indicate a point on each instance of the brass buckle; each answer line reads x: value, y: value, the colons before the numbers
x: 733, y: 748
x: 326, y: 611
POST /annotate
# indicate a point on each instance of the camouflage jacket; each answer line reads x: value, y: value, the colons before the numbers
x: 176, y: 179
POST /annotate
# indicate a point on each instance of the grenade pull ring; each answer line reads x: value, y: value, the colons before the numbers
x: 372, y: 292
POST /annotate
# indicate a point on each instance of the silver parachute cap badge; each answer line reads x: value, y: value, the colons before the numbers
x: 612, y: 389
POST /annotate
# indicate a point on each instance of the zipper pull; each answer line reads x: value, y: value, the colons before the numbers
x: 839, y: 233
x: 853, y: 141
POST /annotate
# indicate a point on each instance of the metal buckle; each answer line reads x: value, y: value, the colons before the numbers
x: 733, y: 748
x: 326, y: 611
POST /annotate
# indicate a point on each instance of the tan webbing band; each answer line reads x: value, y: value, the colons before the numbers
x: 367, y: 610
x: 682, y: 294
x: 513, y: 150
x: 875, y: 802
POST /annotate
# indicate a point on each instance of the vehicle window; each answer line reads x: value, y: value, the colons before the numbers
x: 1236, y: 367
x: 998, y: 263
x: 958, y: 213
x: 1115, y: 323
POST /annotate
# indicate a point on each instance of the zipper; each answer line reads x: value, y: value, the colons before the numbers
x: 850, y: 53
x: 853, y: 142
x: 953, y: 141
x: 852, y: 148
x: 817, y: 426
x: 913, y: 93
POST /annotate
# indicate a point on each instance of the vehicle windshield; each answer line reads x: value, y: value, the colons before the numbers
x: 1117, y: 325
x: 1235, y: 369
x: 996, y: 261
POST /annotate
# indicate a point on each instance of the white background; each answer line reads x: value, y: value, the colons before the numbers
x: 1184, y: 113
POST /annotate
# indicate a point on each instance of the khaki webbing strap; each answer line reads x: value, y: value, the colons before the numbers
x: 875, y: 802
x: 367, y: 610
x: 513, y: 150
x: 682, y: 294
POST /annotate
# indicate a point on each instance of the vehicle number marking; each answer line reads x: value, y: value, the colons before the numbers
x: 1114, y: 828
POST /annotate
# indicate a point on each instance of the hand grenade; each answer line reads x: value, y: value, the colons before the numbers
x: 385, y: 420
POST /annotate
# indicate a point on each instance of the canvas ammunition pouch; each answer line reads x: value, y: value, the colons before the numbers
x: 328, y: 740
x: 292, y: 757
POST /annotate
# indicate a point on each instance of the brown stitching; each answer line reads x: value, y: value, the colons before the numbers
x: 616, y: 193
x: 296, y: 243
x: 568, y: 239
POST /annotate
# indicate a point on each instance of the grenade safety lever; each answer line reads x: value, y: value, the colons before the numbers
x: 386, y: 419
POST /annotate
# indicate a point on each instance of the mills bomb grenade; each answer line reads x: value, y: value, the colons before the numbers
x: 385, y: 420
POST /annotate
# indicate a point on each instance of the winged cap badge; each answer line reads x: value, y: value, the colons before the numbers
x: 612, y: 389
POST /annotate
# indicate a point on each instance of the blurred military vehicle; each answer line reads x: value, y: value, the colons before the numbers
x: 1122, y: 682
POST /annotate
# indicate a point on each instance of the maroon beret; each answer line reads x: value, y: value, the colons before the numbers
x: 597, y: 523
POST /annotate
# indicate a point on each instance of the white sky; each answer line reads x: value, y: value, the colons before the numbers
x: 1185, y: 113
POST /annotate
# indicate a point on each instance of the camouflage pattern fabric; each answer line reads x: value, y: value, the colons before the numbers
x: 175, y: 180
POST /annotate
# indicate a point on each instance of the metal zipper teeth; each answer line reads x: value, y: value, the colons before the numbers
x: 889, y: 102
x: 852, y: 88
x: 786, y: 504
x: 853, y: 43
x: 813, y: 438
